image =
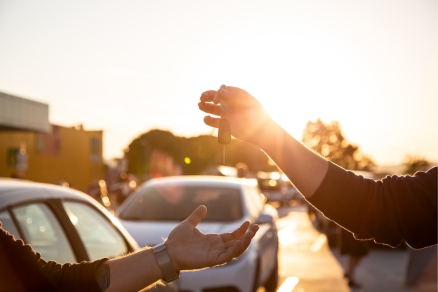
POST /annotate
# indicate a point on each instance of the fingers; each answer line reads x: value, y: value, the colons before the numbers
x: 246, y: 239
x: 254, y: 228
x: 206, y: 104
x: 210, y: 108
x: 212, y: 122
x: 236, y: 247
x: 223, y: 93
x: 197, y: 215
x: 209, y: 104
x: 234, y: 96
x: 208, y: 96
x: 214, y: 95
x: 238, y: 241
x: 236, y: 234
x: 211, y: 98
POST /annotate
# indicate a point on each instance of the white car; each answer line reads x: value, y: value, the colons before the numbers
x: 160, y: 204
x: 63, y: 224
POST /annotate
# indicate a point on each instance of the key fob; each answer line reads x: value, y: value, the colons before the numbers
x: 224, y: 133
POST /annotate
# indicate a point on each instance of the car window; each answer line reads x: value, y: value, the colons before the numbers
x: 43, y: 232
x: 100, y: 237
x: 254, y: 205
x: 176, y: 202
x: 8, y: 224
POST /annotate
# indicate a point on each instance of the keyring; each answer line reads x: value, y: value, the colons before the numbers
x: 223, y: 104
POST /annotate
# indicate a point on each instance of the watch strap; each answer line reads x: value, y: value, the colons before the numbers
x: 165, y: 264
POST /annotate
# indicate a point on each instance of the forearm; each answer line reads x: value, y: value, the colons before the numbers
x: 389, y: 210
x: 21, y: 266
x: 304, y: 168
x: 134, y: 272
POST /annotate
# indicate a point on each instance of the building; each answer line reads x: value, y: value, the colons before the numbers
x: 33, y: 149
x: 18, y: 113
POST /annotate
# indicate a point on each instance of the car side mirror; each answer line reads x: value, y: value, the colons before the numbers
x: 264, y: 198
x: 265, y: 218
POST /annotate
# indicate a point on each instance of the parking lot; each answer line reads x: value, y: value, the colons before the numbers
x: 307, y: 263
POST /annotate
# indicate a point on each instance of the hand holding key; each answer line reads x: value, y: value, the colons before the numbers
x: 246, y: 117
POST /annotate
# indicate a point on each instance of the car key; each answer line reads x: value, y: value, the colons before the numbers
x: 224, y: 136
x: 224, y: 132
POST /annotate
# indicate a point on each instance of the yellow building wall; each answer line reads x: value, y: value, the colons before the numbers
x: 67, y: 154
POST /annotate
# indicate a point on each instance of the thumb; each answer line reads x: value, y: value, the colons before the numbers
x: 197, y: 215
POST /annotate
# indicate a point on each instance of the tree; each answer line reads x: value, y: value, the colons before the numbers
x: 328, y: 140
x: 414, y: 164
x: 193, y: 155
x: 140, y: 149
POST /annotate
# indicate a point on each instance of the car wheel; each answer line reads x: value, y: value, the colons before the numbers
x: 272, y: 282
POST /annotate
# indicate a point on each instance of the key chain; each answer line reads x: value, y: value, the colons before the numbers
x: 224, y: 133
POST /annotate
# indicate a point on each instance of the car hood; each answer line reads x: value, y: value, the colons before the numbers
x: 153, y: 232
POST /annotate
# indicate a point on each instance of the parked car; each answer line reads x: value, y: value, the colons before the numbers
x: 62, y: 224
x: 160, y: 204
x: 277, y: 187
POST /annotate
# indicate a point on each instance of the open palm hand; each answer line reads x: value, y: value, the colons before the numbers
x: 191, y: 249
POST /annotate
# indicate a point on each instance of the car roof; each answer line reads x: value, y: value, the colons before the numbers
x: 14, y: 191
x: 202, y: 180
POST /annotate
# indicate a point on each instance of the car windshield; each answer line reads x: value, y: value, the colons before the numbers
x: 176, y: 202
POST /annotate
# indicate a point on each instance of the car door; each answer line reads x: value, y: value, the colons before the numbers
x: 68, y: 231
x: 268, y: 241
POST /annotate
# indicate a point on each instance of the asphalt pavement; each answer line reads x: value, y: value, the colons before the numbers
x: 308, y: 263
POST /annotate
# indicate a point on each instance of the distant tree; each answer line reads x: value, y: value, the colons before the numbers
x: 202, y: 151
x: 328, y: 140
x: 194, y: 154
x: 242, y: 152
x: 413, y: 164
x: 140, y: 149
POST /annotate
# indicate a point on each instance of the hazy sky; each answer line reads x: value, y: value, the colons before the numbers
x: 130, y: 66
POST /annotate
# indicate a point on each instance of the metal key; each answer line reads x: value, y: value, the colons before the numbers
x: 224, y: 133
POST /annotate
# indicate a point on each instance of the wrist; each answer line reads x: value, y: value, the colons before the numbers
x: 269, y: 135
x: 173, y: 255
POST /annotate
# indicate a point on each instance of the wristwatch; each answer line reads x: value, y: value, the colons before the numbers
x: 166, y: 266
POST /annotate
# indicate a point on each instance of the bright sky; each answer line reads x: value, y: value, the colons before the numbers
x: 130, y: 66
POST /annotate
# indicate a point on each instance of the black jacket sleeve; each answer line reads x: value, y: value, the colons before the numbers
x: 390, y: 210
x: 29, y: 271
